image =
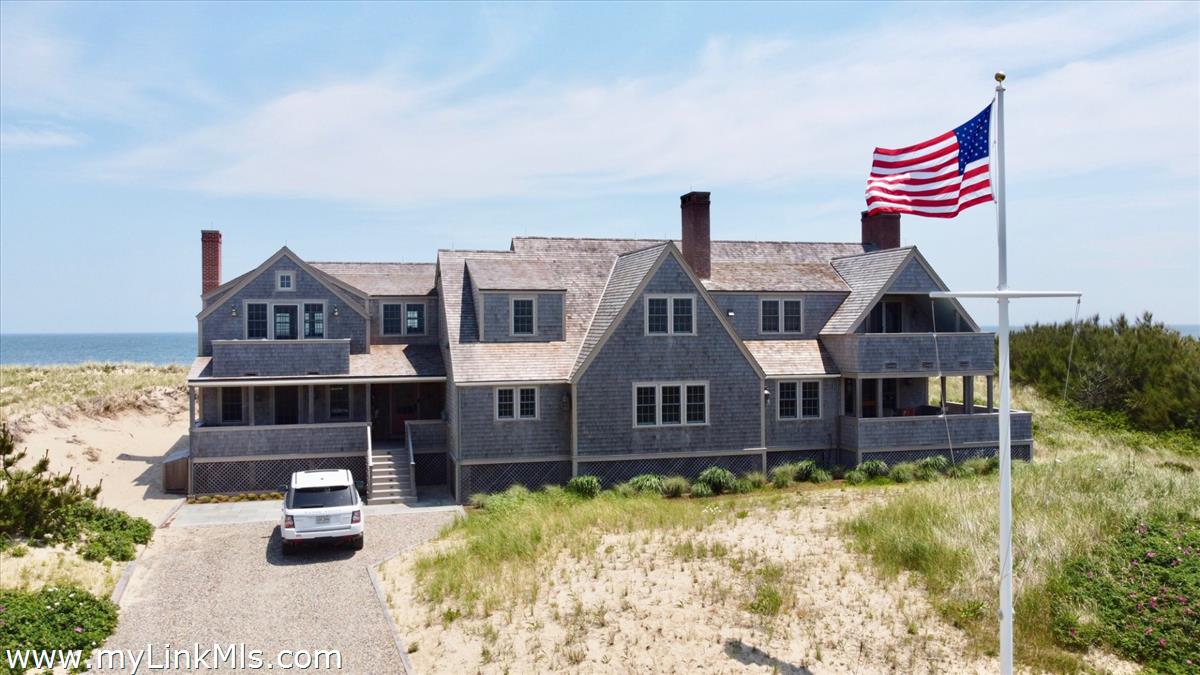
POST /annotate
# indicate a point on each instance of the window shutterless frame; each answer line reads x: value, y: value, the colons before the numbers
x: 391, y: 318
x: 780, y: 315
x: 685, y: 403
x: 285, y: 280
x: 530, y: 316
x: 677, y: 307
x: 798, y: 400
x: 222, y: 394
x: 251, y: 310
x: 349, y: 402
x: 514, y: 403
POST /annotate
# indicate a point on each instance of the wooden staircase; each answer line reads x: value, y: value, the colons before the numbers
x: 391, y: 481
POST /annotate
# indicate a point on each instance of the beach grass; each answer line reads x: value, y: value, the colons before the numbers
x: 1088, y: 486
x: 91, y: 388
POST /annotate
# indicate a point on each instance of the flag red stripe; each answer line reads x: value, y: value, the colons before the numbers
x: 925, y: 144
x: 915, y: 193
x: 881, y: 164
x: 953, y: 161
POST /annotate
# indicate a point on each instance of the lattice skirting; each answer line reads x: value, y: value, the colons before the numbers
x: 430, y: 468
x: 618, y: 471
x: 264, y: 474
x: 892, y: 457
x: 478, y: 478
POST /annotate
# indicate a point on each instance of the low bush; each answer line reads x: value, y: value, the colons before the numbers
x: 675, y: 486
x: 903, y: 472
x: 107, y: 545
x: 781, y: 476
x: 819, y: 476
x: 838, y: 471
x: 741, y: 486
x: 584, y: 486
x: 856, y: 477
x: 960, y: 471
x: 478, y: 500
x: 757, y: 479
x: 701, y: 490
x: 804, y: 470
x: 936, y: 463
x: 647, y: 482
x: 980, y: 466
x: 63, y: 617
x: 717, y: 479
x: 874, y: 468
x: 624, y: 490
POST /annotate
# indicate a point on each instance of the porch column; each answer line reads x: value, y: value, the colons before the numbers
x: 942, y: 380
x: 968, y: 394
x: 991, y: 408
x: 368, y: 413
x: 879, y: 397
x: 191, y: 407
x: 858, y: 394
x: 252, y: 406
x: 311, y: 405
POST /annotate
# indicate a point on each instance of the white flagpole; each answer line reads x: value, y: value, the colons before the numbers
x: 1006, y: 613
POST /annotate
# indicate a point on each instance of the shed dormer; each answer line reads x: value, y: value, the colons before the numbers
x: 517, y: 300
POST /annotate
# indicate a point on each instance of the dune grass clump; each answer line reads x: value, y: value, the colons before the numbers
x: 717, y: 479
x: 584, y: 486
x: 647, y: 483
x: 781, y: 476
x: 701, y: 490
x: 757, y: 479
x: 856, y: 477
x: 675, y: 486
x: 904, y: 472
x: 819, y: 476
x: 91, y: 388
x: 874, y: 468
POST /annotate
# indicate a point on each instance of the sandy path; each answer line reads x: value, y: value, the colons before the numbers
x: 639, y: 606
x: 123, y: 451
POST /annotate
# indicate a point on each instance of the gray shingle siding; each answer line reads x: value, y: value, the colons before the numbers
x: 483, y: 436
x: 222, y: 325
x: 818, y: 307
x: 234, y: 442
x: 605, y: 392
x: 913, y: 278
x: 280, y: 357
x: 884, y: 353
x: 904, y: 432
x: 805, y: 433
x: 496, y: 320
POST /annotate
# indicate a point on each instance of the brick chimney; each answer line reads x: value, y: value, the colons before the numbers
x: 210, y: 260
x: 881, y: 231
x: 697, y: 248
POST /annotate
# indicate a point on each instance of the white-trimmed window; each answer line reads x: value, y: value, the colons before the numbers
x: 339, y: 401
x: 670, y: 314
x: 799, y: 399
x: 781, y: 315
x: 513, y: 403
x: 670, y: 404
x: 402, y: 318
x: 522, y: 311
x: 231, y: 405
x: 256, y: 321
x: 286, y: 319
x: 285, y: 280
x: 314, y: 320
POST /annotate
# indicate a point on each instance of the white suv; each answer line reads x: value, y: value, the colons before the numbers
x: 322, y: 505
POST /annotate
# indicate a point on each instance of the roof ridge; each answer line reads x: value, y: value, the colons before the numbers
x: 910, y: 247
x: 367, y: 262
x: 644, y: 249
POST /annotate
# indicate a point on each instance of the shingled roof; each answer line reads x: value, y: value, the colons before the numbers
x: 867, y: 275
x: 788, y: 358
x: 627, y: 274
x: 513, y: 275
x: 386, y: 278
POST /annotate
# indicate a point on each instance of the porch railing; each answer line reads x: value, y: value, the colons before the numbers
x: 412, y: 462
x: 370, y: 461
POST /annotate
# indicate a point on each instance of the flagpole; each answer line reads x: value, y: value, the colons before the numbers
x: 1006, y: 613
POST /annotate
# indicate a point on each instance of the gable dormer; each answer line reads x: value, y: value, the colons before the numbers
x: 517, y: 300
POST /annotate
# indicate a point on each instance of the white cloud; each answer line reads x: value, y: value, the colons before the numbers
x: 1092, y: 88
x: 15, y: 138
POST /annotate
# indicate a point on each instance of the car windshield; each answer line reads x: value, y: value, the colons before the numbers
x: 321, y: 497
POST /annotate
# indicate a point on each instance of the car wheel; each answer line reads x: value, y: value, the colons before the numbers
x: 357, y: 543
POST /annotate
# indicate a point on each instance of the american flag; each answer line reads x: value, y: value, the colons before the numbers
x: 938, y: 178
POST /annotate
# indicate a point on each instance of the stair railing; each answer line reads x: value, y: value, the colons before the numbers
x: 412, y: 462
x: 370, y: 461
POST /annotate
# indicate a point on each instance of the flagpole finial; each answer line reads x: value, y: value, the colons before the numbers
x: 1000, y: 76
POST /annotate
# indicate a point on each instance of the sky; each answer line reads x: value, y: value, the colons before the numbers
x: 389, y: 131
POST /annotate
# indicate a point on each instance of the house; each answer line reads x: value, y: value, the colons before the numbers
x: 567, y: 356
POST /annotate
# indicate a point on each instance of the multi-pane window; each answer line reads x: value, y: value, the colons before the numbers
x: 667, y: 314
x: 885, y: 317
x: 788, y: 400
x: 286, y: 281
x: 339, y: 402
x: 414, y: 322
x: 810, y: 399
x: 256, y: 320
x: 516, y: 403
x: 670, y: 407
x: 670, y: 404
x: 646, y: 406
x: 285, y: 322
x: 231, y: 404
x: 522, y: 316
x: 393, y: 319
x: 314, y: 320
x: 781, y: 316
x: 697, y: 404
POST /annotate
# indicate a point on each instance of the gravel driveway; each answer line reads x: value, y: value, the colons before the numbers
x: 231, y: 584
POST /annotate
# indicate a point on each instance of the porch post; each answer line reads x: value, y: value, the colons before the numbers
x: 191, y: 407
x: 368, y: 413
x: 879, y: 397
x: 968, y: 394
x: 858, y: 394
x: 991, y: 408
x: 252, y: 406
x: 942, y: 380
x: 311, y: 406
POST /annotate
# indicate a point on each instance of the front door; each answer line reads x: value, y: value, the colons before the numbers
x: 406, y: 405
x: 287, y: 405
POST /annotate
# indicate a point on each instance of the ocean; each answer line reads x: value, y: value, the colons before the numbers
x: 51, y: 348
x: 157, y: 348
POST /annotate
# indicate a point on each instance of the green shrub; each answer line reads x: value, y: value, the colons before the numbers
x: 478, y: 500
x: 902, y: 472
x: 925, y: 473
x: 675, y: 486
x: 584, y: 486
x: 757, y: 479
x: 624, y: 490
x: 819, y: 476
x: 78, y: 620
x: 717, y: 479
x: 856, y: 477
x: 960, y: 471
x: 19, y: 551
x: 874, y: 468
x: 35, y: 502
x: 838, y: 471
x: 108, y: 545
x: 803, y: 470
x: 647, y: 482
x: 936, y: 463
x: 781, y: 476
x: 741, y: 486
x: 980, y: 466
x: 701, y: 490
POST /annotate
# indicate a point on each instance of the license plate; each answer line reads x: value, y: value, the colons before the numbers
x: 322, y: 520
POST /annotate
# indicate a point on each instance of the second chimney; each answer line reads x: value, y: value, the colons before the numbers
x: 210, y: 260
x: 881, y: 231
x: 697, y: 248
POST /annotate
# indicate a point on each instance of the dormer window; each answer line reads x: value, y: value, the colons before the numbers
x: 885, y: 317
x: 524, y: 316
x: 670, y: 315
x: 402, y: 318
x: 781, y: 316
x: 285, y: 281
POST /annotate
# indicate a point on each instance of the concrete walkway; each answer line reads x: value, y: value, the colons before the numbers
x: 237, y: 513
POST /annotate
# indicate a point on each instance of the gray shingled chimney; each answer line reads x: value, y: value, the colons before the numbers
x: 697, y: 247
